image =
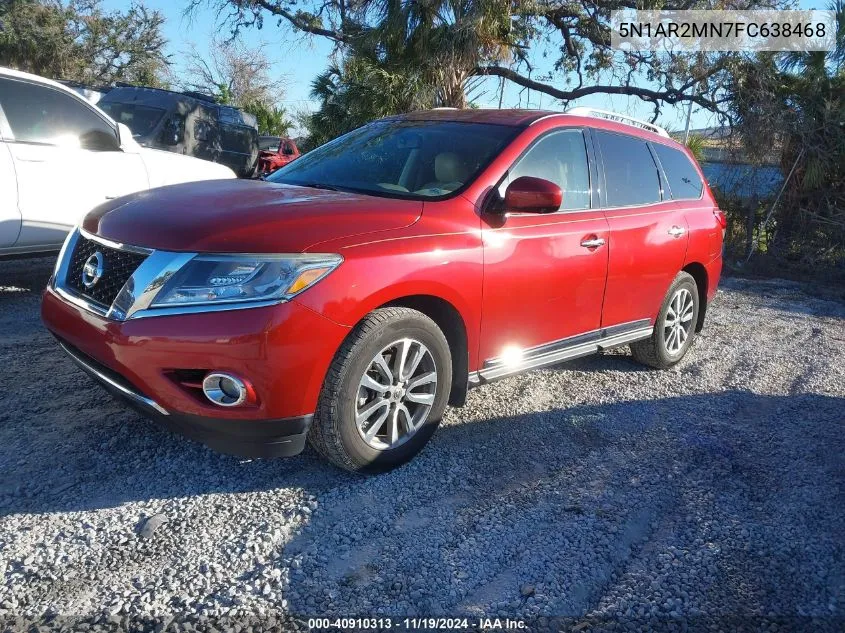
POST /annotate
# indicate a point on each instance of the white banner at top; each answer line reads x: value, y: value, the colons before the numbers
x: 693, y: 31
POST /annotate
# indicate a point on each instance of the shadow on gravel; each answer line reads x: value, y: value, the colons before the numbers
x: 26, y: 274
x: 81, y: 455
x: 733, y: 497
x: 803, y: 299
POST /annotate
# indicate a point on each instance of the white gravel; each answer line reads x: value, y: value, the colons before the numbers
x: 708, y: 497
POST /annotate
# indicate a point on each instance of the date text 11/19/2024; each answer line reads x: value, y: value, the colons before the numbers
x: 417, y: 624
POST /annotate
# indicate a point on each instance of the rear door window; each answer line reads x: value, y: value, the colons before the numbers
x: 684, y: 181
x: 237, y: 138
x: 631, y: 175
x: 559, y: 157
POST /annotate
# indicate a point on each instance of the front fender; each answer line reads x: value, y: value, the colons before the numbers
x: 375, y: 273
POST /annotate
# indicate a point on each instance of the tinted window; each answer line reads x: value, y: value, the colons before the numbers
x: 560, y: 157
x: 684, y: 180
x: 408, y: 159
x: 39, y: 114
x: 173, y: 130
x: 237, y: 138
x: 630, y: 172
x: 142, y: 120
x: 202, y: 130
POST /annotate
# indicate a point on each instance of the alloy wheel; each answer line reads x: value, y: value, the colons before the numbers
x: 678, y: 323
x: 395, y: 394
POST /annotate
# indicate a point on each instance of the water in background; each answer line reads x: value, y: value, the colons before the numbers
x: 742, y: 180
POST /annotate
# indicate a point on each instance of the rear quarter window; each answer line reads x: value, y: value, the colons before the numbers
x: 631, y: 175
x: 684, y: 181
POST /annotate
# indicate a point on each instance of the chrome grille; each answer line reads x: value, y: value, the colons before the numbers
x: 118, y: 267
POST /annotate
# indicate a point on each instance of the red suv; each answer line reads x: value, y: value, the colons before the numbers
x: 363, y: 287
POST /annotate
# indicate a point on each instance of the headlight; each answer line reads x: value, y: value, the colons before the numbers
x: 242, y: 278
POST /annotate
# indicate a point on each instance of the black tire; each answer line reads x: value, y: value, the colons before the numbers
x: 653, y: 351
x: 334, y: 433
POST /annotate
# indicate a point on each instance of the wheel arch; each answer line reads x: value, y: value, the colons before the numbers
x: 699, y: 273
x: 451, y: 323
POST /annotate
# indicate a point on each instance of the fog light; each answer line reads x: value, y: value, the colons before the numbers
x: 225, y: 390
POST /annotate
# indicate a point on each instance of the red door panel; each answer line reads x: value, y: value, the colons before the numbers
x: 647, y: 249
x: 540, y: 284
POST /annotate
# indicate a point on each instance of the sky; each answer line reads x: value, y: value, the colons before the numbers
x: 297, y: 59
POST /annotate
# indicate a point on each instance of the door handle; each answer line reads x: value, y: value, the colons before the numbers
x: 676, y: 231
x: 593, y: 242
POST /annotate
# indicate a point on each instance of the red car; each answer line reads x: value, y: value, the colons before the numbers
x: 275, y: 152
x: 363, y: 287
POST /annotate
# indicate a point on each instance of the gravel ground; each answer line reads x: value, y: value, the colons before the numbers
x: 710, y: 495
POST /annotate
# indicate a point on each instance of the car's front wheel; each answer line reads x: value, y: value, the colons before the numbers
x: 674, y: 328
x: 385, y: 392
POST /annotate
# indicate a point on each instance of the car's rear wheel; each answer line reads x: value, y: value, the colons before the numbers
x: 385, y: 392
x: 674, y: 328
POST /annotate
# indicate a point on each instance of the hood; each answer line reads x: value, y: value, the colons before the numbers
x: 247, y: 216
x: 168, y: 168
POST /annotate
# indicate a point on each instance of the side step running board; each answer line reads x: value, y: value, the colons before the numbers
x: 566, y: 349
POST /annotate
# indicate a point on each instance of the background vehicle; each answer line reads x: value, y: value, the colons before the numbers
x: 275, y: 152
x: 187, y: 123
x: 369, y: 283
x: 61, y: 156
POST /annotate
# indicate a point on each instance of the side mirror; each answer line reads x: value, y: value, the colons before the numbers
x: 99, y: 141
x: 527, y: 194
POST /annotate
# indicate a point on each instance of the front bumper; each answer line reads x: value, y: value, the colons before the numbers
x: 283, y: 350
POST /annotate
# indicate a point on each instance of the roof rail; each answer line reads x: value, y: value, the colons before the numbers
x: 620, y: 118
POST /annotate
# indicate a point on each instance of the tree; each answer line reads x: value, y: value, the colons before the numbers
x: 272, y: 120
x: 449, y: 41
x: 233, y: 73
x: 79, y: 41
x: 359, y: 91
x: 796, y: 101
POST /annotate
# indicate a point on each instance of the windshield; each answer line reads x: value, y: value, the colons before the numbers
x: 408, y: 159
x: 142, y: 120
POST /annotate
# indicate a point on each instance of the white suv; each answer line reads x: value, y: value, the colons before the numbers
x: 61, y: 156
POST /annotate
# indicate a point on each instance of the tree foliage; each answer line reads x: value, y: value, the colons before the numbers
x: 233, y: 73
x: 272, y: 120
x: 796, y: 101
x: 359, y: 91
x: 446, y: 42
x: 79, y: 41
